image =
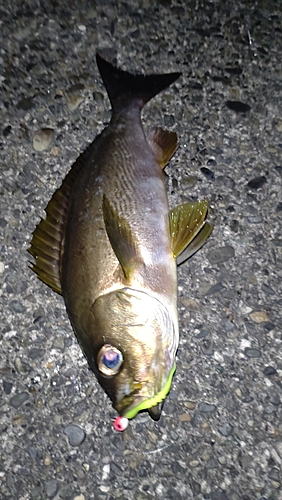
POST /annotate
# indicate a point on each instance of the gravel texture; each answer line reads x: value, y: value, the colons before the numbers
x: 220, y: 435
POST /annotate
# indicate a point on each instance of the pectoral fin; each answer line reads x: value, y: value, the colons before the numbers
x: 163, y: 143
x: 122, y: 239
x: 196, y: 243
x: 188, y: 229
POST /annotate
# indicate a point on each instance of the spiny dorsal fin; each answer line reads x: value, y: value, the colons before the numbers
x: 163, y: 143
x: 47, y: 244
x: 186, y: 222
x: 122, y: 239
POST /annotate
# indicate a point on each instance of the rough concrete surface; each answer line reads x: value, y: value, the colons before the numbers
x: 220, y: 435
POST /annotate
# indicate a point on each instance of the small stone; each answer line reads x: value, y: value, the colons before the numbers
x: 74, y: 100
x: 188, y: 303
x: 225, y: 430
x: 194, y: 463
x: 208, y: 173
x: 47, y: 460
x: 238, y: 106
x: 185, y: 417
x: 79, y: 497
x: 218, y: 287
x: 19, y: 399
x: 226, y: 181
x: 75, y: 434
x: 2, y: 268
x: 211, y: 162
x: 7, y: 386
x: 278, y: 168
x: 22, y: 366
x: 258, y: 316
x: 36, y: 353
x: 191, y: 405
x: 269, y: 370
x: 7, y: 131
x: 221, y: 254
x: 42, y: 139
x: 218, y: 495
x: 257, y: 182
x: 51, y: 488
x: 251, y: 352
x: 25, y: 104
x: 278, y: 125
x: 255, y: 219
x: 16, y: 306
x: 206, y: 407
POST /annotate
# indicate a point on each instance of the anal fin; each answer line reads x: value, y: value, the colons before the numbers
x: 188, y: 229
x: 163, y: 143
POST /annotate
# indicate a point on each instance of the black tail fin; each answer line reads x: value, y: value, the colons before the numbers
x: 124, y: 87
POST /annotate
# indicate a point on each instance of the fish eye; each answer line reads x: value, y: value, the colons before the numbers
x: 109, y: 360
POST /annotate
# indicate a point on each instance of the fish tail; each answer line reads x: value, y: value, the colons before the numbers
x: 124, y: 88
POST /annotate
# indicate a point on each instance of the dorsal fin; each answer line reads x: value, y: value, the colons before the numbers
x: 188, y: 228
x: 123, y: 87
x: 47, y: 244
x: 163, y: 143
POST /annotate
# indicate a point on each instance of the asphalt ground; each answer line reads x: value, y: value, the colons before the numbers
x: 220, y: 434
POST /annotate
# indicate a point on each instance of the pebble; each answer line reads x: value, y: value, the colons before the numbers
x: 16, y: 306
x: 75, y: 434
x: 252, y: 352
x: 2, y: 268
x: 208, y: 173
x: 7, y: 386
x: 79, y: 497
x: 238, y: 106
x: 185, y: 417
x: 207, y: 407
x: 42, y: 139
x: 25, y: 104
x: 218, y: 495
x: 51, y: 488
x: 218, y: 287
x: 258, y: 316
x: 269, y: 370
x: 36, y: 353
x: 18, y: 399
x: 225, y: 430
x: 255, y: 219
x: 221, y: 254
x: 226, y: 181
x: 257, y: 182
x: 74, y: 100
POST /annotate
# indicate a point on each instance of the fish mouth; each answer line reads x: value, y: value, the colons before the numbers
x: 153, y: 405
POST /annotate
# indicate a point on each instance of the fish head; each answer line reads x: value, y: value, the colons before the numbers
x: 134, y: 350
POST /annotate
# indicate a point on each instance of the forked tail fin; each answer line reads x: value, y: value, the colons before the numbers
x: 123, y: 87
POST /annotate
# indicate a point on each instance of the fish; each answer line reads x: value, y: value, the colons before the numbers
x: 110, y: 245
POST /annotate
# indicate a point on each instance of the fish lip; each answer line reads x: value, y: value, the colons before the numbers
x: 154, y: 404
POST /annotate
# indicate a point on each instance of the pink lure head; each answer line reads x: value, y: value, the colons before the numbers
x: 120, y: 424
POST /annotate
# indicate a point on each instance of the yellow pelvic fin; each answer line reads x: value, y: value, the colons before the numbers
x: 163, y: 143
x: 122, y: 239
x: 188, y: 229
x: 47, y: 244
